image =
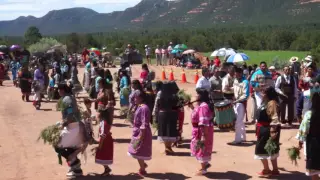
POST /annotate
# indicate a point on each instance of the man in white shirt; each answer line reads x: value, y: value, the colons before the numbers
x: 158, y: 55
x: 286, y: 87
x: 204, y: 82
x: 170, y: 54
x: 227, y: 84
x: 148, y: 54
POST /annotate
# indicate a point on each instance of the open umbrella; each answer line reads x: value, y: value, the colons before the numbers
x: 181, y: 46
x: 238, y: 57
x: 96, y: 51
x: 215, y: 53
x: 175, y: 51
x: 226, y: 52
x: 189, y: 51
x: 15, y: 47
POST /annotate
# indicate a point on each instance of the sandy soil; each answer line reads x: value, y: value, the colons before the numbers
x: 22, y: 157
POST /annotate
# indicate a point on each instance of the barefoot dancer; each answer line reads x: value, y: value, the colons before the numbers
x: 140, y: 146
x: 202, y: 131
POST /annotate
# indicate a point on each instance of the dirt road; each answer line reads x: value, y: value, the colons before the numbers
x: 22, y: 157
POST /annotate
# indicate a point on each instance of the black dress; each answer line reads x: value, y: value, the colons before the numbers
x: 25, y: 85
x: 168, y: 124
x: 263, y: 134
x: 313, y: 147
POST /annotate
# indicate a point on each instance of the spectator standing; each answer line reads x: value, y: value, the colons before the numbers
x: 158, y: 55
x: 148, y: 54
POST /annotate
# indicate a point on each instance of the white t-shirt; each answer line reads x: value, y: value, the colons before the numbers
x: 203, y: 83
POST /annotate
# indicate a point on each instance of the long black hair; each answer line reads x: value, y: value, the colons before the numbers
x: 203, y: 95
x: 137, y: 84
x: 125, y: 73
x: 271, y: 93
x: 107, y: 75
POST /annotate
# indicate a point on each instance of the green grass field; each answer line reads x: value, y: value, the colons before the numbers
x: 269, y: 56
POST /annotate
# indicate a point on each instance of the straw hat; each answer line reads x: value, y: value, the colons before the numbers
x: 272, y: 68
x: 294, y: 59
x: 308, y: 58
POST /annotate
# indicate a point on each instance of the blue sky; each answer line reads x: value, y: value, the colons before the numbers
x: 11, y: 9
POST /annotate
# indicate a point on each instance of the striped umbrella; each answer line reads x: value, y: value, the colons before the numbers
x: 239, y: 57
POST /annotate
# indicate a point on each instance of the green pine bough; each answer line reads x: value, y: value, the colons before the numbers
x: 294, y: 154
x: 271, y: 147
x: 183, y: 97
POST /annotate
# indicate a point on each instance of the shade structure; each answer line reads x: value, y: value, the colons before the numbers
x: 238, y: 57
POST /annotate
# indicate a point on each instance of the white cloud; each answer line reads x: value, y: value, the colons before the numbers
x: 11, y: 9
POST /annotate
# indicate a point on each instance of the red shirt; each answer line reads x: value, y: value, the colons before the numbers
x: 217, y: 62
x: 304, y: 84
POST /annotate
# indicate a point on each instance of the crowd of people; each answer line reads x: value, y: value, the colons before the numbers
x: 221, y: 100
x: 278, y: 99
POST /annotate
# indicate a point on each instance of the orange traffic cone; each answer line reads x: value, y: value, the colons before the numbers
x: 163, y: 75
x: 196, y: 78
x: 183, y: 77
x: 171, y: 77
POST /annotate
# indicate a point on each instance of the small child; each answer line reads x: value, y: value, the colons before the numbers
x: 50, y: 90
x: 88, y: 118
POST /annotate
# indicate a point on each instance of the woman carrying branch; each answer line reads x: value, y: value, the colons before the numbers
x: 202, y: 131
x: 309, y: 135
x: 268, y: 132
x: 140, y: 146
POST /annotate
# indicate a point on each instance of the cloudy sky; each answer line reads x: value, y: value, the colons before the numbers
x: 11, y: 9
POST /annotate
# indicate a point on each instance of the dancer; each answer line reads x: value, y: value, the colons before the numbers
x: 140, y: 146
x: 241, y: 93
x: 15, y: 66
x: 104, y: 154
x: 286, y: 87
x: 150, y: 99
x: 38, y: 86
x: 309, y: 136
x: 202, y: 131
x: 268, y: 125
x: 25, y: 83
x: 73, y: 136
x: 88, y: 120
x: 136, y: 89
x: 260, y: 80
x: 87, y: 76
x: 168, y: 116
x: 157, y: 90
x: 124, y: 88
